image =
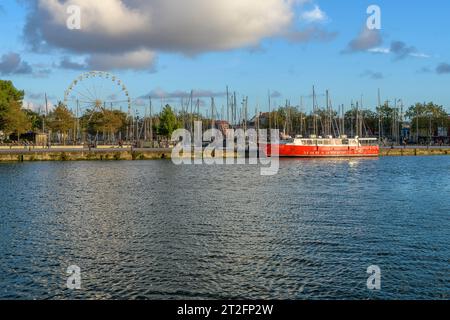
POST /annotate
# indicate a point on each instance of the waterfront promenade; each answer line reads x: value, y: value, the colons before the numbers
x: 74, y: 153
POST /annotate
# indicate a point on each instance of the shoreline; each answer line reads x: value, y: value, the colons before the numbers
x: 120, y: 154
x: 74, y: 154
x: 414, y: 151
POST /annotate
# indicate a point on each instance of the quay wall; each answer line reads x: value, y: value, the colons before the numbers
x: 77, y: 154
x: 411, y: 152
x: 84, y: 155
x: 101, y: 154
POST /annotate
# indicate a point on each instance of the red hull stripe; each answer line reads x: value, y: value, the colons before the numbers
x: 325, y: 151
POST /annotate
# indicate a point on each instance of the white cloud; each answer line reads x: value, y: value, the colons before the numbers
x: 197, y: 93
x: 366, y: 40
x: 141, y: 59
x: 314, y: 15
x: 136, y: 60
x: 126, y: 33
x: 12, y: 63
x: 37, y: 107
x: 27, y: 105
x: 400, y: 50
x: 111, y: 17
x: 172, y: 25
x: 374, y: 75
x: 380, y: 50
x: 371, y: 41
x: 420, y: 55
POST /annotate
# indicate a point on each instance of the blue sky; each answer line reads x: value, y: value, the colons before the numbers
x: 275, y: 63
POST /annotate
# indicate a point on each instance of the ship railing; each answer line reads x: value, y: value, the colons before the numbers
x: 368, y: 141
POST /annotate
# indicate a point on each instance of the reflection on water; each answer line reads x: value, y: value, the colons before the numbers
x: 152, y: 230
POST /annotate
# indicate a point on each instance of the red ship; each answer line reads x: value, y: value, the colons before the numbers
x: 318, y: 147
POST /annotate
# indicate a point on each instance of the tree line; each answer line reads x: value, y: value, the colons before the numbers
x: 386, y: 121
x: 109, y: 125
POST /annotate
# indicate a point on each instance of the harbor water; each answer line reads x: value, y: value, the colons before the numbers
x: 153, y: 230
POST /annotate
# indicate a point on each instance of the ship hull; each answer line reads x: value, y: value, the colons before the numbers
x: 295, y: 151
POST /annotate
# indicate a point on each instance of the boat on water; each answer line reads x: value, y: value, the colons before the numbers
x: 319, y: 147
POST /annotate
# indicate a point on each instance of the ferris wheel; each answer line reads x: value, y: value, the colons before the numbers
x: 96, y: 91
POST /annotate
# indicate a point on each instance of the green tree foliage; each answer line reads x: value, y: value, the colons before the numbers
x: 426, y: 116
x: 386, y: 116
x: 15, y: 120
x: 61, y: 119
x: 168, y: 122
x: 35, y: 119
x: 369, y: 118
x: 106, y: 122
x: 9, y: 93
x: 286, y: 118
x: 10, y: 97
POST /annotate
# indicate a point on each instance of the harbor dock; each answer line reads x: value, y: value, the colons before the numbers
x: 83, y: 154
x: 69, y: 153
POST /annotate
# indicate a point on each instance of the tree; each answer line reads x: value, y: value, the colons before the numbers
x: 113, y: 121
x: 35, y: 118
x: 10, y: 97
x: 15, y: 120
x: 61, y: 120
x: 169, y: 122
x: 426, y: 118
x: 386, y: 117
x: 108, y: 122
x: 369, y: 120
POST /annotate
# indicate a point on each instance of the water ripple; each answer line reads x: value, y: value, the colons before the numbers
x: 152, y: 230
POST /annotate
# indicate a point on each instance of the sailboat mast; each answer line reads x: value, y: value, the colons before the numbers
x: 151, y: 121
x: 314, y: 112
x: 301, y: 115
x: 379, y: 115
x: 270, y: 112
